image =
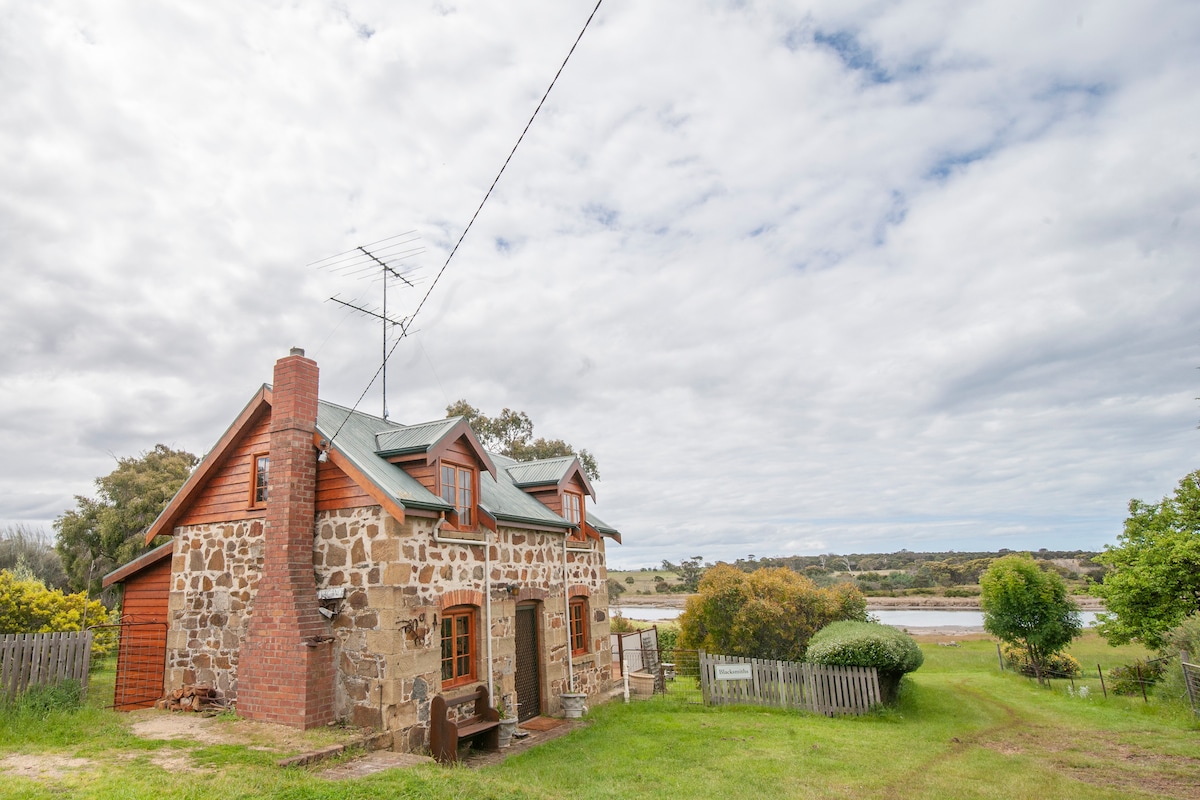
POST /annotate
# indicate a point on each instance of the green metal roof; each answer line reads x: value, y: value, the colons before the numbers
x: 356, y: 439
x: 368, y: 441
x: 412, y: 438
x: 537, y: 473
x: 503, y: 499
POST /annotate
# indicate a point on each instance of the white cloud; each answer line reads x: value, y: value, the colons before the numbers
x: 859, y: 276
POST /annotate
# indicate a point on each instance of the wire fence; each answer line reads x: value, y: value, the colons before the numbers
x: 1128, y: 680
x: 1191, y: 681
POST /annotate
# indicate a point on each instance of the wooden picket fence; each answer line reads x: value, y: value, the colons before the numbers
x: 788, y: 684
x: 39, y: 659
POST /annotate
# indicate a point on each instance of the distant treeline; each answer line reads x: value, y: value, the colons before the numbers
x: 902, y: 570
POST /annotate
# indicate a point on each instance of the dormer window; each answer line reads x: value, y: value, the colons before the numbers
x: 258, y: 486
x: 572, y: 507
x: 458, y: 489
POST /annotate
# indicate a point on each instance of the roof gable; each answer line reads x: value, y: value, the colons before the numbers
x: 557, y: 472
x: 164, y: 524
x: 432, y: 439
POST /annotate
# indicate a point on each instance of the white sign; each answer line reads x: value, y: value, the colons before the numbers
x: 734, y: 672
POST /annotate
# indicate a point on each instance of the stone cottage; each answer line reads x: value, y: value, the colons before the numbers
x: 327, y: 564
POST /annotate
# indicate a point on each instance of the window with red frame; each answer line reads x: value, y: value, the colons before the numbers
x: 573, y: 507
x: 458, y: 489
x: 579, y: 626
x: 458, y: 646
x: 258, y: 487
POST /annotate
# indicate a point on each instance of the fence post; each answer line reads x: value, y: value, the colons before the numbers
x: 1187, y: 680
x: 1138, y: 668
x: 1103, y: 688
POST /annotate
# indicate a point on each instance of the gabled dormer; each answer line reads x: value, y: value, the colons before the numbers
x: 447, y: 459
x: 561, y: 485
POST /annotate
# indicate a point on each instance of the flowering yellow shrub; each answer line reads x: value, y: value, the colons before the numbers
x: 27, y: 606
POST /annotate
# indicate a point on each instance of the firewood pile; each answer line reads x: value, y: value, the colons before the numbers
x: 190, y: 698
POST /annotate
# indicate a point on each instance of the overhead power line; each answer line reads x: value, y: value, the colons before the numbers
x: 407, y: 323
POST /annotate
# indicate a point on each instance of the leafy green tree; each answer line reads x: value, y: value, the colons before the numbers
x: 32, y: 549
x: 511, y: 434
x: 1152, y: 582
x: 615, y: 590
x: 102, y: 533
x: 689, y: 571
x: 768, y: 613
x: 1025, y: 605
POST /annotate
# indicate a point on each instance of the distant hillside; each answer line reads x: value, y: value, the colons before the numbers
x: 949, y: 573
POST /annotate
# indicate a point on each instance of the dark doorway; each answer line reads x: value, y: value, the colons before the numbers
x: 528, y: 678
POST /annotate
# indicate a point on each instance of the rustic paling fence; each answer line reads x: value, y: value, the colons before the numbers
x: 728, y: 680
x: 39, y: 659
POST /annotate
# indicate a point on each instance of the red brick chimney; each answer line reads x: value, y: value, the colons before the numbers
x: 285, y: 668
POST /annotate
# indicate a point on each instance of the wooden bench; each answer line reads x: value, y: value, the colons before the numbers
x: 446, y: 733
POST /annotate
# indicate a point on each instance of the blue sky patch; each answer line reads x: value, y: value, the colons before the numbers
x: 853, y: 54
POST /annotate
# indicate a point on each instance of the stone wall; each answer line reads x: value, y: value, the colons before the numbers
x: 397, y: 580
x: 214, y: 577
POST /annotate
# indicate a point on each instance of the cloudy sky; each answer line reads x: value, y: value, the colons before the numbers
x: 837, y: 276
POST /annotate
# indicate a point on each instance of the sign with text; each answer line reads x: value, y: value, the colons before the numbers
x: 734, y: 672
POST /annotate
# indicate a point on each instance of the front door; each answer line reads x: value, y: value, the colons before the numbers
x: 528, y: 678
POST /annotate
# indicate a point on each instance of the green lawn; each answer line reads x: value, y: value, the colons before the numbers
x: 962, y: 730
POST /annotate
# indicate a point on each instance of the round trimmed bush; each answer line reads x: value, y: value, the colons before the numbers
x: 868, y: 644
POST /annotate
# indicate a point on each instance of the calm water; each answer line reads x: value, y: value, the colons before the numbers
x: 901, y: 618
x: 936, y: 618
x: 648, y: 612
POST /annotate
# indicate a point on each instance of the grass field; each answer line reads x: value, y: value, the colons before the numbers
x: 962, y: 730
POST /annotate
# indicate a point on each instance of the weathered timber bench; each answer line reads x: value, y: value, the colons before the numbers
x: 445, y: 733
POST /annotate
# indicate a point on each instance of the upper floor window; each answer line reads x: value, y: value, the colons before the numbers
x: 573, y: 507
x: 258, y: 487
x: 579, y: 626
x: 459, y: 646
x: 458, y: 489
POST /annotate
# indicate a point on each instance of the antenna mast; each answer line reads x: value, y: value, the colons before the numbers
x: 361, y: 261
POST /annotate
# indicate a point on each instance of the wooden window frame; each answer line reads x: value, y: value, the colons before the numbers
x: 577, y: 507
x: 464, y: 506
x: 455, y: 676
x: 577, y: 627
x: 259, y: 492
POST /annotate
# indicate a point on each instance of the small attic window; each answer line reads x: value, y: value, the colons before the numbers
x: 258, y: 487
x: 458, y: 489
x: 572, y: 507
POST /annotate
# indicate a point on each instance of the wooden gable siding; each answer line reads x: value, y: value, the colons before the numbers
x: 549, y: 497
x: 418, y: 468
x: 337, y: 490
x: 226, y: 496
x: 460, y: 452
x: 142, y: 651
x: 145, y: 597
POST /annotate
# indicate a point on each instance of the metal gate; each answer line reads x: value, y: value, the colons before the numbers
x: 141, y: 663
x: 528, y: 680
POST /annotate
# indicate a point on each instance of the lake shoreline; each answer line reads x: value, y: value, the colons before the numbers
x: 919, y: 602
x: 940, y: 632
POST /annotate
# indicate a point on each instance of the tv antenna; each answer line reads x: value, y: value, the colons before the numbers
x: 382, y: 261
x: 406, y: 324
